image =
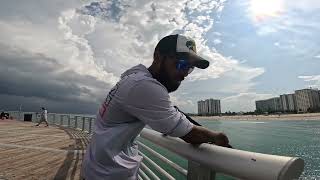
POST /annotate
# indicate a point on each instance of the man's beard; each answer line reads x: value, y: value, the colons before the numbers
x: 165, y: 80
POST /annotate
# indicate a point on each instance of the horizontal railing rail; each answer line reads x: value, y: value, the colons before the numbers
x: 236, y: 163
x: 204, y: 160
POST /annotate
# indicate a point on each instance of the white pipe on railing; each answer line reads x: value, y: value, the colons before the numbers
x: 148, y: 170
x: 157, y: 167
x: 143, y: 175
x: 139, y: 177
x: 164, y: 159
x: 237, y: 163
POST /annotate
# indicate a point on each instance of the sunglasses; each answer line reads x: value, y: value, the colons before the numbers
x: 184, y: 65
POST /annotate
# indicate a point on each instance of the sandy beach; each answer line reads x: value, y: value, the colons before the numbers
x: 295, y: 117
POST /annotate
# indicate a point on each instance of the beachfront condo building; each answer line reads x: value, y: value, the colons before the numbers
x: 269, y: 105
x: 303, y: 100
x: 209, y: 107
x: 288, y: 102
x: 307, y: 100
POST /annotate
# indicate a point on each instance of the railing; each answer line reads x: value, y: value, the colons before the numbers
x: 76, y: 121
x: 204, y: 161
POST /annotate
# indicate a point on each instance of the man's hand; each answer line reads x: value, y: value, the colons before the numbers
x: 220, y: 139
x: 200, y: 134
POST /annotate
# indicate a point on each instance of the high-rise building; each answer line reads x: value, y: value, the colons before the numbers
x: 261, y: 106
x: 303, y: 100
x: 288, y: 102
x: 292, y: 104
x: 284, y: 102
x: 307, y: 99
x: 209, y: 107
x: 269, y: 105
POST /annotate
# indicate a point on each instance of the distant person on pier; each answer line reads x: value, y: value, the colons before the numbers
x: 141, y: 98
x: 2, y: 116
x: 43, y: 117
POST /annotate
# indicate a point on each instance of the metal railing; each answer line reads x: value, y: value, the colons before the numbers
x: 204, y: 160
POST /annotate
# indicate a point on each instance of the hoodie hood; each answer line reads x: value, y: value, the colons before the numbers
x: 136, y: 69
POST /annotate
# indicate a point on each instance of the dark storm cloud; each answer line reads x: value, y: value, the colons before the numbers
x: 35, y: 79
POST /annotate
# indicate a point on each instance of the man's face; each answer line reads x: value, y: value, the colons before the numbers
x: 169, y: 75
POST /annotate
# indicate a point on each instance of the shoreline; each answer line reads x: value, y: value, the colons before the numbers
x: 289, y: 117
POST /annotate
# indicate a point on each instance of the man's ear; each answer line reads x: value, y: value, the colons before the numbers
x: 158, y: 58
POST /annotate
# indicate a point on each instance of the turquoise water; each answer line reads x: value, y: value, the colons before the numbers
x: 287, y: 138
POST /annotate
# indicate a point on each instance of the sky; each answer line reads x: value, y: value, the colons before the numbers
x: 67, y: 55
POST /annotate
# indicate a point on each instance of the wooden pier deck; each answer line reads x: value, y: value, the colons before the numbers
x: 41, y: 153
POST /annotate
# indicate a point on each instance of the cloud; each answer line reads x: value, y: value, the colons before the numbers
x: 306, y: 5
x: 217, y: 33
x: 184, y: 104
x: 265, y: 30
x: 242, y: 101
x: 76, y: 51
x: 286, y: 45
x: 317, y: 56
x: 277, y: 44
x: 291, y: 18
x: 25, y: 75
x: 314, y: 80
x: 33, y: 104
x: 230, y: 74
x: 217, y: 41
x: 298, y: 22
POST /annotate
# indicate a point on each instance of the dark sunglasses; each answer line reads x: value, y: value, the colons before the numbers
x: 184, y: 65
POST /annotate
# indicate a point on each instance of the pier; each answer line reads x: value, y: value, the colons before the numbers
x: 30, y: 152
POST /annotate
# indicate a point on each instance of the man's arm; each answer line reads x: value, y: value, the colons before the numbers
x: 199, y: 134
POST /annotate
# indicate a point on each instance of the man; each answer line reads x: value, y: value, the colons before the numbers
x: 43, y: 117
x: 2, y: 115
x: 141, y: 98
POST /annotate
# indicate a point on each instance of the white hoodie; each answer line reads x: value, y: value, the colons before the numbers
x: 135, y: 101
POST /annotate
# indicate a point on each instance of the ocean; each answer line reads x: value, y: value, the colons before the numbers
x: 286, y: 138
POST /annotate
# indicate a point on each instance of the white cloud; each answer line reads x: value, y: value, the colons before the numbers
x: 287, y: 46
x: 306, y: 5
x: 217, y: 41
x: 313, y: 80
x: 230, y: 74
x: 202, y: 19
x: 184, y: 104
x: 264, y: 30
x: 292, y: 17
x: 217, y: 33
x: 317, y: 56
x: 242, y: 101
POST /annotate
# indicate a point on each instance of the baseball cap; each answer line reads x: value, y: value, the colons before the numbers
x: 181, y: 45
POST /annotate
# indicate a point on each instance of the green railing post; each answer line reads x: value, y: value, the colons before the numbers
x: 83, y: 121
